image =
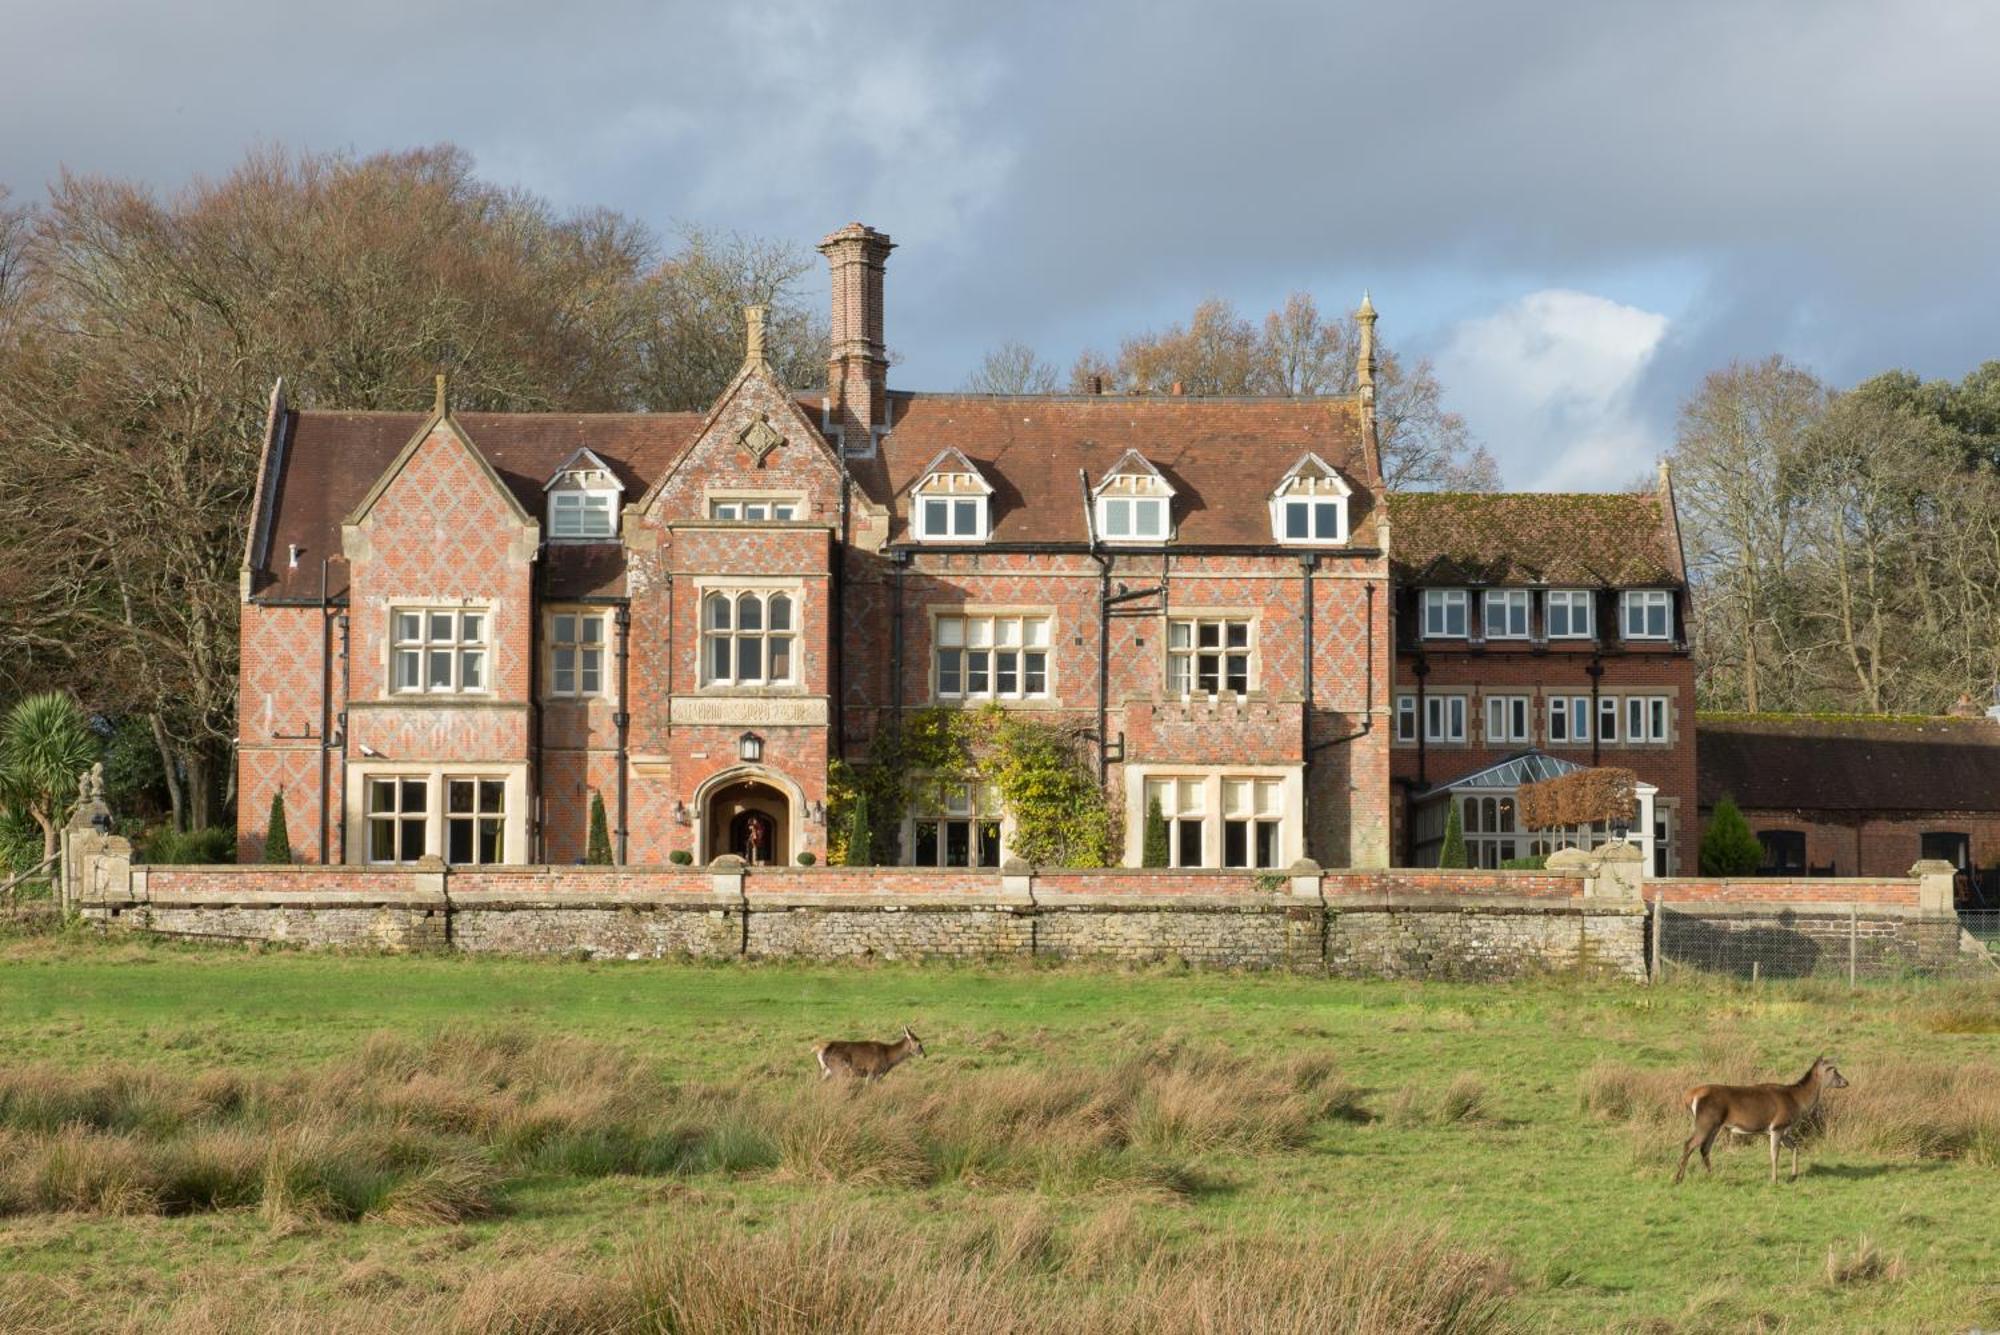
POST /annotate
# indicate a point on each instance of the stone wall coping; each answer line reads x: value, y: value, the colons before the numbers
x: 525, y: 899
x: 1831, y: 882
x: 1806, y: 908
x: 285, y: 899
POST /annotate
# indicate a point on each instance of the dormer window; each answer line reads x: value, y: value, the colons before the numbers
x: 583, y: 500
x: 1134, y: 503
x: 952, y: 501
x: 1649, y: 614
x: 1309, y: 505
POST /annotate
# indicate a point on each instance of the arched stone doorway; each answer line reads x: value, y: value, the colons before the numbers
x: 750, y: 818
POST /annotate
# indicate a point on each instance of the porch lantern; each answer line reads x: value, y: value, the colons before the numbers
x: 750, y: 747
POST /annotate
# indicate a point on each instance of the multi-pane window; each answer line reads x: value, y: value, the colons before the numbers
x: 438, y: 650
x: 1444, y: 718
x: 1649, y: 614
x: 475, y: 821
x: 398, y: 810
x: 747, y: 638
x: 954, y: 517
x: 1569, y: 718
x: 1569, y: 614
x: 576, y: 653
x: 1491, y: 833
x: 1252, y: 819
x: 1784, y: 851
x: 582, y: 514
x: 1507, y: 614
x: 1607, y: 719
x: 1312, y: 520
x: 1132, y: 518
x: 956, y: 826
x: 997, y: 657
x: 1406, y: 718
x: 754, y: 512
x: 1208, y: 656
x: 1507, y: 719
x: 1444, y: 614
x: 1646, y: 718
x: 1184, y: 803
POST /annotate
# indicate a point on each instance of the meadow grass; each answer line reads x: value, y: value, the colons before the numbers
x: 205, y: 1139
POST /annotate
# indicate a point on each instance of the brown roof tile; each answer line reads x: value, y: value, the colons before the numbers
x: 1590, y: 540
x: 1806, y: 764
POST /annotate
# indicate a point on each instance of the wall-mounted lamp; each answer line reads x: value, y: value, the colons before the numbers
x: 1620, y: 828
x: 680, y: 813
x: 818, y: 813
x: 750, y: 747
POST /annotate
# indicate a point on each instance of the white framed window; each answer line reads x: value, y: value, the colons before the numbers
x: 583, y: 514
x: 1491, y: 827
x: 1444, y: 718
x: 398, y: 817
x: 1647, y: 719
x: 576, y: 653
x: 1506, y: 614
x: 1444, y: 614
x: 1312, y: 519
x: 951, y: 518
x: 991, y: 657
x: 1253, y: 824
x: 475, y: 820
x: 1132, y: 518
x: 1406, y: 718
x: 1508, y: 719
x: 438, y: 651
x: 1569, y: 718
x: 747, y: 510
x: 1649, y: 614
x: 1184, y: 803
x: 1570, y: 614
x: 1607, y: 718
x: 955, y: 825
x: 1208, y: 655
x: 747, y: 637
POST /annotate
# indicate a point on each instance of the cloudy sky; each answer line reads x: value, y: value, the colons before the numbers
x: 1575, y: 208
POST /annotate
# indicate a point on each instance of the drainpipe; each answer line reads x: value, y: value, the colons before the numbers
x: 536, y: 843
x: 1308, y: 562
x: 902, y: 560
x: 1367, y: 688
x: 325, y: 708
x: 1596, y: 671
x: 1103, y: 634
x: 346, y: 694
x: 622, y: 618
x: 1421, y: 669
x: 837, y: 571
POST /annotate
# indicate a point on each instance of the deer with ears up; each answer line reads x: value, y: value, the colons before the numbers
x: 866, y: 1059
x: 1777, y: 1111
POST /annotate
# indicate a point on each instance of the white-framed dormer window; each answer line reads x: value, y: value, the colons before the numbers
x: 747, y: 637
x: 1444, y: 614
x: 754, y: 509
x: 583, y: 500
x: 438, y: 651
x: 1649, y: 614
x: 952, y: 501
x: 1310, y: 504
x: 1132, y: 518
x: 1507, y: 614
x: 951, y: 518
x: 1570, y: 615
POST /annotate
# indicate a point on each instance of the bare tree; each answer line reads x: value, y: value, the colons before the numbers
x: 693, y: 304
x: 1012, y: 368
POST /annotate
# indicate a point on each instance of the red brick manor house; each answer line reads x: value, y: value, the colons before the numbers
x: 459, y: 627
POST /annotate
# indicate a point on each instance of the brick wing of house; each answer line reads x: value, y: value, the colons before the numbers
x: 459, y: 628
x: 1537, y: 633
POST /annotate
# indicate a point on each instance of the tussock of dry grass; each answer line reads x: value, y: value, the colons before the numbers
x: 1863, y: 1263
x: 1464, y: 1100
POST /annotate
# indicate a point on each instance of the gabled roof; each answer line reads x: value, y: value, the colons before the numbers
x: 1795, y: 763
x: 1134, y: 464
x: 1579, y: 540
x: 953, y: 460
x: 1312, y: 466
x: 440, y: 418
x: 584, y: 460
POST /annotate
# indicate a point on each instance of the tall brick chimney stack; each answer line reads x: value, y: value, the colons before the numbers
x: 857, y: 373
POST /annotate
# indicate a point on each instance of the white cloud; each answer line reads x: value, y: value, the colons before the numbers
x: 1548, y: 382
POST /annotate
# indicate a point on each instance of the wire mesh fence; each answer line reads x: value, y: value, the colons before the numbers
x: 1755, y: 942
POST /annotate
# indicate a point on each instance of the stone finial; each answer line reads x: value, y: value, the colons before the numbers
x: 755, y: 319
x: 1364, y: 356
x: 442, y: 404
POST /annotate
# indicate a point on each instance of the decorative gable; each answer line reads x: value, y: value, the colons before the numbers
x: 1309, y: 504
x: 952, y: 501
x: 1133, y: 502
x: 583, y: 500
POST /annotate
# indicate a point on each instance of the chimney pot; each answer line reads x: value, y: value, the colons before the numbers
x: 1095, y: 384
x: 1179, y: 389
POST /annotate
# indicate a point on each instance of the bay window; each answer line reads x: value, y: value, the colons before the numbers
x: 398, y: 818
x: 747, y: 638
x: 475, y: 821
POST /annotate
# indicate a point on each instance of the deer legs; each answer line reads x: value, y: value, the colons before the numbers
x: 1702, y: 1139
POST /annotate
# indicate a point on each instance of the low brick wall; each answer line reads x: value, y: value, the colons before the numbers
x: 1902, y: 890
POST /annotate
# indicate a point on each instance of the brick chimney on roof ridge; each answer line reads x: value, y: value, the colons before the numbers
x: 857, y: 371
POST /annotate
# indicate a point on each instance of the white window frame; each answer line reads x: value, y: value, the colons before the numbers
x: 1316, y: 509
x: 1579, y: 612
x: 1608, y: 712
x: 964, y: 516
x: 1514, y: 606
x: 730, y: 631
x: 1120, y: 525
x: 1648, y: 720
x: 1438, y: 606
x: 1261, y: 818
x: 1406, y: 719
x: 770, y: 509
x: 454, y: 661
x: 398, y: 817
x: 1184, y: 803
x: 1444, y: 719
x: 576, y: 660
x: 969, y: 810
x: 477, y: 821
x: 1510, y: 719
x: 971, y: 653
x: 1187, y: 654
x: 1572, y: 714
x: 572, y: 511
x: 1491, y: 826
x: 1646, y: 603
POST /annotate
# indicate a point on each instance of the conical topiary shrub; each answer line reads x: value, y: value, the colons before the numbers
x: 1453, y: 853
x: 1728, y: 848
x: 1155, y: 853
x: 599, y: 852
x: 277, y: 839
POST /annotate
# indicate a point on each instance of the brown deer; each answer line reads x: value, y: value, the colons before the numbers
x: 866, y: 1059
x: 1775, y: 1110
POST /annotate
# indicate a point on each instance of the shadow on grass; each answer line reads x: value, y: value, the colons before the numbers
x: 1861, y: 1172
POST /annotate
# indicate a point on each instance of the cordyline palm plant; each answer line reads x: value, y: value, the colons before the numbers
x: 45, y: 744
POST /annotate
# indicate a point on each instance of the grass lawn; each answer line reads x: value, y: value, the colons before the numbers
x: 1453, y: 1112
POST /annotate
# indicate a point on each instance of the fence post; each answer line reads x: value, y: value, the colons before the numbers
x: 1853, y: 940
x: 1659, y: 916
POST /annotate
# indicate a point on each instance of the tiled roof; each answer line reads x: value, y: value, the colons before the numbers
x: 1585, y: 540
x: 1805, y: 764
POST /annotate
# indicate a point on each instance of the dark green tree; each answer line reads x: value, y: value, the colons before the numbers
x: 277, y: 839
x: 1156, y: 834
x: 1728, y: 848
x: 599, y: 853
x: 860, y: 834
x: 1453, y: 853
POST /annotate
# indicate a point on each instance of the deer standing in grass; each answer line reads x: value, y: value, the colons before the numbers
x: 866, y: 1059
x: 1776, y: 1111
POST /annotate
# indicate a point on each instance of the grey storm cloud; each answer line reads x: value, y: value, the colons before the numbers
x: 1803, y: 176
